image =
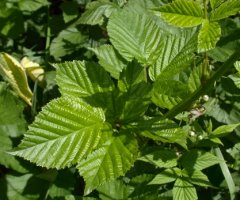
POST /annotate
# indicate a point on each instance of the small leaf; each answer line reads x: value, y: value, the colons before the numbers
x: 110, y: 60
x: 166, y: 176
x: 226, y: 9
x: 70, y: 11
x: 216, y: 3
x: 96, y: 11
x: 111, y: 160
x: 114, y: 190
x: 197, y: 177
x: 197, y: 160
x: 135, y: 36
x: 161, y: 158
x: 67, y: 41
x: 168, y: 93
x: 181, y: 13
x: 208, y: 36
x: 64, y: 132
x: 224, y: 130
x: 14, y: 73
x: 184, y: 190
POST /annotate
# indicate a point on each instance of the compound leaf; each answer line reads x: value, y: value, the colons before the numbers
x: 65, y: 132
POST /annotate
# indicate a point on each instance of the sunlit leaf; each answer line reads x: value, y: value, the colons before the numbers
x: 181, y: 13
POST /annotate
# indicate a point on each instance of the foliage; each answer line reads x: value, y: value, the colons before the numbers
x: 119, y: 99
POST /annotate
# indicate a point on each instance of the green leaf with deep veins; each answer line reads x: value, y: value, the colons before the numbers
x: 65, y: 132
x: 135, y: 36
x: 110, y: 161
x: 208, y: 36
x: 181, y: 13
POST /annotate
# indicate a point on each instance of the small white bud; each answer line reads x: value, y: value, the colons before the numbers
x: 192, y: 133
x: 200, y: 137
x: 205, y: 98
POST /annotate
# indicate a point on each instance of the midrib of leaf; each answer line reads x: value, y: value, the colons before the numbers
x: 204, y: 88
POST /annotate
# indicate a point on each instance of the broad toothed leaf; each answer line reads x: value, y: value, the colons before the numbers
x: 176, y: 55
x: 208, y: 36
x: 181, y: 13
x: 135, y: 36
x: 184, y: 190
x: 65, y: 132
x: 110, y: 161
x: 226, y: 9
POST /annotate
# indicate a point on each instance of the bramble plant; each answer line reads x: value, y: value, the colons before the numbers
x: 144, y: 111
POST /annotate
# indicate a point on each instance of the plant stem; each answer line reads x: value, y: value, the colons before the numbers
x: 226, y: 173
x: 146, y: 73
x: 185, y: 104
x: 48, y: 37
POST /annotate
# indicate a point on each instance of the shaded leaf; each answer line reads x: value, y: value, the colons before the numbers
x: 96, y: 11
x: 110, y: 60
x: 197, y: 160
x: 166, y: 176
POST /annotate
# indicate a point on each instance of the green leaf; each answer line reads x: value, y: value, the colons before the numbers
x: 23, y: 187
x: 216, y: 3
x: 209, y: 35
x: 31, y: 5
x: 181, y: 13
x: 184, y: 190
x: 82, y: 79
x: 197, y: 177
x: 114, y: 190
x: 111, y: 160
x: 88, y: 81
x: 168, y: 93
x: 67, y: 41
x: 135, y: 36
x: 161, y: 158
x: 13, y: 72
x: 11, y: 22
x: 166, y: 176
x: 226, y: 9
x: 70, y: 11
x: 194, y: 81
x: 224, y: 130
x: 65, y: 132
x: 178, y: 51
x: 110, y: 60
x: 197, y: 160
x: 12, y: 121
x: 96, y: 11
